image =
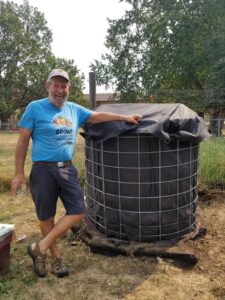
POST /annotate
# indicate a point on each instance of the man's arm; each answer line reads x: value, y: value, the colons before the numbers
x: 21, y: 153
x: 98, y: 117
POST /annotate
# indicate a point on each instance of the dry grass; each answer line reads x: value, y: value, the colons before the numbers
x: 98, y: 277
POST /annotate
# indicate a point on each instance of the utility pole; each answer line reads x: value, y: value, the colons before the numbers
x: 92, y: 90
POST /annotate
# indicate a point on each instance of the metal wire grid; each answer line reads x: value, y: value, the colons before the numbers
x: 110, y: 216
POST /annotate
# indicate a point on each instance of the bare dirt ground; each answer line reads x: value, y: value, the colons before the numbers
x: 94, y: 276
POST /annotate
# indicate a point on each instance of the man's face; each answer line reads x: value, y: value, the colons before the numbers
x: 58, y: 90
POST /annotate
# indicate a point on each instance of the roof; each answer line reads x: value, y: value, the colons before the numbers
x: 103, y: 97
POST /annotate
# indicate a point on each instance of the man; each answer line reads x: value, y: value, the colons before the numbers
x: 52, y: 123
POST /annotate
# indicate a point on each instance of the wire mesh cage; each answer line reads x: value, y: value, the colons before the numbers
x: 142, y: 189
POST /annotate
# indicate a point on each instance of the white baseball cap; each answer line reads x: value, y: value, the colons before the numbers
x: 59, y: 72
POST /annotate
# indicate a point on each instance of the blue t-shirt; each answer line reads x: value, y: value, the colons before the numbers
x: 54, y: 129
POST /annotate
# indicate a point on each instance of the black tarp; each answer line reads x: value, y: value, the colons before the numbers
x: 164, y: 121
x: 142, y: 179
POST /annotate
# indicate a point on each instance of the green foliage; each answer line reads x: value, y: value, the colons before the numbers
x: 163, y: 44
x: 6, y: 109
x: 217, y: 79
x: 24, y: 47
x: 79, y: 98
x: 4, y: 287
x: 26, y: 56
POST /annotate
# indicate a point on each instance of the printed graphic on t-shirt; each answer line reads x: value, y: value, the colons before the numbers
x: 64, y: 131
x: 61, y: 121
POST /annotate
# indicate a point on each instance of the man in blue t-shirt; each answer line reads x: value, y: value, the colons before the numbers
x: 52, y: 124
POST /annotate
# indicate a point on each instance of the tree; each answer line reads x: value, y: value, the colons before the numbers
x: 163, y: 44
x: 24, y: 45
x: 26, y: 57
x: 217, y: 108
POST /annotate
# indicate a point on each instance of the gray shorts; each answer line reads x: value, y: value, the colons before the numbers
x: 47, y: 183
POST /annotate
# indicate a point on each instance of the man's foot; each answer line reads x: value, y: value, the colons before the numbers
x: 39, y: 259
x: 59, y: 269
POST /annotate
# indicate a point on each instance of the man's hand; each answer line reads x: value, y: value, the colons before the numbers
x: 17, y: 183
x: 133, y: 118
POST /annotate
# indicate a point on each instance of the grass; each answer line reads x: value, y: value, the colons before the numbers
x: 92, y: 276
x: 98, y: 277
x: 212, y: 161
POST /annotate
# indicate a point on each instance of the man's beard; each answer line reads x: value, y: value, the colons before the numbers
x: 55, y: 102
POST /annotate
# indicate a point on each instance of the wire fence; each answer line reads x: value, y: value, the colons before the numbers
x: 211, y: 155
x: 142, y: 189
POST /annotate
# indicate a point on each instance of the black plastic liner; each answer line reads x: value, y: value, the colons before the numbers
x: 165, y: 121
x: 142, y: 180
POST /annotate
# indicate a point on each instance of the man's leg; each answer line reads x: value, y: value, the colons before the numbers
x: 63, y: 224
x: 44, y: 191
x: 68, y: 189
x: 71, y: 195
x: 46, y: 226
x: 38, y: 251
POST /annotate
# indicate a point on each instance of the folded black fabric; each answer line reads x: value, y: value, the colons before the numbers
x: 165, y: 121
